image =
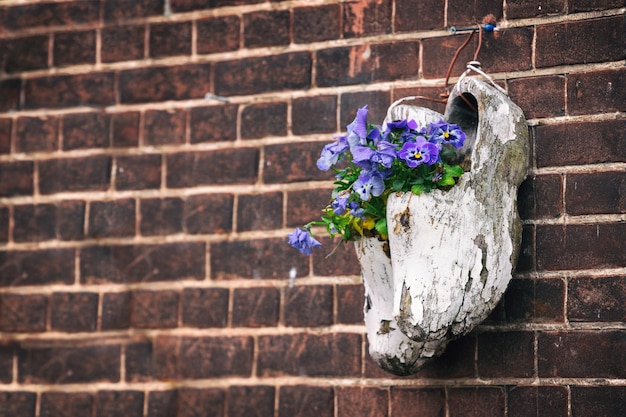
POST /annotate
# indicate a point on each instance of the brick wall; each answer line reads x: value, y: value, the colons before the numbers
x: 143, y: 264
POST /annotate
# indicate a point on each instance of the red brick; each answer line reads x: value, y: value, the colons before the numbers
x: 527, y: 8
x: 476, y: 402
x: 509, y: 354
x: 265, y: 258
x: 316, y: 23
x: 266, y: 119
x: 7, y: 353
x: 115, y: 218
x: 18, y: 403
x: 580, y: 143
x: 142, y: 263
x: 598, y: 401
x: 170, y: 39
x: 73, y: 48
x: 258, y: 25
x: 34, y: 134
x: 153, y: 84
x: 122, y: 10
x: 541, y: 196
x: 179, y: 358
x: 186, y: 402
x: 362, y: 401
x: 306, y: 206
x: 377, y: 104
x: 260, y: 211
x: 218, y: 34
x: 34, y: 223
x: 122, y: 43
x: 139, y: 361
x: 37, y: 267
x: 4, y: 224
x: 256, y: 75
x: 343, y: 260
x: 308, y: 306
x: 366, y: 18
x: 536, y: 301
x: 164, y: 127
x: 255, y: 307
x: 413, y: 15
x: 10, y: 98
x: 154, y: 309
x: 119, y: 403
x: 74, y: 312
x: 60, y: 404
x: 457, y: 361
x: 306, y: 401
x: 16, y: 178
x: 191, y: 5
x: 537, y: 401
x: 244, y: 401
x: 213, y: 123
x: 596, y: 299
x: 192, y: 169
x: 509, y: 50
x: 467, y: 13
x: 205, y: 307
x: 211, y: 213
x: 580, y: 246
x: 73, y: 364
x: 138, y: 172
x: 323, y: 107
x: 581, y: 42
x: 5, y: 135
x: 596, y: 92
x: 539, y: 96
x: 281, y: 166
x: 582, y: 354
x: 50, y: 14
x: 116, y: 311
x: 299, y: 355
x: 23, y: 313
x: 24, y: 54
x: 423, y: 402
x: 86, y: 130
x: 125, y: 129
x: 367, y: 64
x: 585, y: 6
x: 161, y: 216
x: 350, y: 300
x: 438, y: 54
x: 70, y: 220
x: 58, y: 91
x: 596, y: 193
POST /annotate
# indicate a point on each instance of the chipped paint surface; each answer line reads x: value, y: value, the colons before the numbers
x: 452, y: 252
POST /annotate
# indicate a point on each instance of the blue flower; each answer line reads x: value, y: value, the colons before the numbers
x: 356, y: 210
x: 419, y: 152
x: 339, y: 203
x: 332, y: 153
x: 384, y: 154
x: 303, y: 241
x: 447, y: 134
x: 369, y: 184
x: 357, y: 130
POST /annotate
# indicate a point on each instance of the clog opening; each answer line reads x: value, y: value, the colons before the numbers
x: 464, y: 112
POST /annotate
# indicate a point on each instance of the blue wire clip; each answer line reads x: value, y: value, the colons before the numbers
x: 486, y: 27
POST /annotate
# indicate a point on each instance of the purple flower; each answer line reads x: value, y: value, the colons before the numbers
x: 331, y: 153
x: 419, y: 152
x: 405, y: 128
x: 368, y: 158
x: 303, y: 241
x: 356, y: 210
x: 447, y: 134
x: 357, y: 130
x: 369, y: 184
x: 339, y: 203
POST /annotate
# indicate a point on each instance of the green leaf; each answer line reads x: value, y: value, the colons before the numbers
x: 454, y: 170
x: 381, y: 226
x: 417, y: 189
x: 398, y: 184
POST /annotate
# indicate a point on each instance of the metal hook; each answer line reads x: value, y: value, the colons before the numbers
x: 486, y: 27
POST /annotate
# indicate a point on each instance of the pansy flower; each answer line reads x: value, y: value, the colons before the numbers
x: 369, y: 184
x: 331, y: 153
x: 369, y: 158
x: 419, y: 152
x: 447, y: 134
x: 303, y: 241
